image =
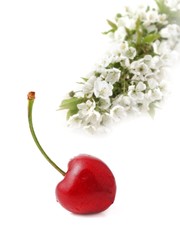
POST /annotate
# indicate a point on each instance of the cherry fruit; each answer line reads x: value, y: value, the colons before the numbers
x: 88, y: 185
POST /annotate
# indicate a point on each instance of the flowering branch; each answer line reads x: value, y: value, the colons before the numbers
x: 130, y: 77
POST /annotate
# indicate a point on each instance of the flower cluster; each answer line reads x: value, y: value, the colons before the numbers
x: 131, y: 76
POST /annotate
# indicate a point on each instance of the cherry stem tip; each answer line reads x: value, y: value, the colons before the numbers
x: 31, y: 96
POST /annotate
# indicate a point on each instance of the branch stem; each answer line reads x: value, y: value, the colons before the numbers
x: 31, y: 97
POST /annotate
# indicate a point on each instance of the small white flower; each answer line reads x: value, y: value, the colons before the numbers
x: 104, y: 104
x: 120, y: 34
x: 104, y: 63
x: 124, y: 61
x: 88, y: 87
x: 102, y: 89
x: 86, y: 108
x: 130, y: 53
x: 152, y: 28
x: 173, y: 4
x: 113, y: 75
x: 91, y: 123
x: 157, y: 94
x: 117, y: 112
x: 150, y: 17
x: 160, y: 47
x: 152, y: 83
x: 139, y: 68
x: 106, y: 120
x: 142, y: 69
x: 140, y: 87
x: 90, y: 129
x: 126, y: 100
x: 170, y: 31
x: 123, y: 47
x: 154, y: 63
x: 126, y: 22
x: 135, y: 95
x: 75, y: 121
x: 163, y: 19
x: 93, y: 118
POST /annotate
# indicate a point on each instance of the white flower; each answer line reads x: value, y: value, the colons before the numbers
x: 152, y: 28
x: 163, y: 19
x: 154, y: 63
x: 104, y: 63
x: 113, y: 75
x: 124, y: 61
x: 173, y: 4
x: 161, y: 47
x: 102, y: 89
x: 75, y: 121
x: 90, y: 129
x: 139, y: 68
x: 130, y: 53
x: 88, y: 87
x: 150, y: 17
x: 117, y: 112
x: 126, y: 22
x: 157, y: 94
x: 140, y: 87
x: 123, y: 47
x: 152, y: 83
x: 86, y: 108
x: 135, y: 94
x: 93, y: 118
x: 120, y: 34
x: 92, y: 122
x: 104, y: 104
x: 170, y: 31
x: 124, y: 101
x: 106, y: 120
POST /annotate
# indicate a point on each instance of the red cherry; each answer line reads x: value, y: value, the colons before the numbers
x: 88, y: 186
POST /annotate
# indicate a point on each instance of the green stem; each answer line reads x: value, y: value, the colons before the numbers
x: 31, y: 97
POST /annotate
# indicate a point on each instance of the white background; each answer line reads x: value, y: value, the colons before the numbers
x: 46, y: 46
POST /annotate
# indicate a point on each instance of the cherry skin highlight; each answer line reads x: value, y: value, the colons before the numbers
x: 88, y: 186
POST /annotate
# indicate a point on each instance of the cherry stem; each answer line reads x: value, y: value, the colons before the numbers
x: 31, y: 97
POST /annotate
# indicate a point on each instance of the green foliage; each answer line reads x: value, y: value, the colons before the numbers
x: 150, y: 38
x: 113, y: 26
x: 70, y: 103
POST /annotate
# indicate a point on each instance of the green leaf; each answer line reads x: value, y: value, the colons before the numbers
x: 71, y: 113
x: 111, y: 30
x: 118, y: 15
x: 151, y: 38
x: 138, y: 32
x: 113, y: 25
x: 85, y: 79
x: 70, y: 103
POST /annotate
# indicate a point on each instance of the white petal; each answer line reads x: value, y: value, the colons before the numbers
x: 140, y: 87
x: 102, y: 89
x: 117, y: 112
